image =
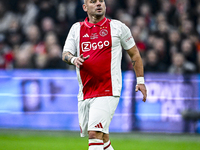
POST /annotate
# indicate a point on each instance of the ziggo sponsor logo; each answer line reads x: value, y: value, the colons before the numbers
x: 87, y: 46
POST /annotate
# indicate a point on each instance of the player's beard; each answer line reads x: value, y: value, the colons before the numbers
x: 99, y: 15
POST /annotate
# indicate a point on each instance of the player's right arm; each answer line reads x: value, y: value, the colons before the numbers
x: 67, y: 56
x: 70, y: 48
x: 71, y: 59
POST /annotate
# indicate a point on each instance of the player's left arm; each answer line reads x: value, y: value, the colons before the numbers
x: 139, y: 70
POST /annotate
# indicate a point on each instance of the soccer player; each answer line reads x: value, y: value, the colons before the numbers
x: 94, y: 46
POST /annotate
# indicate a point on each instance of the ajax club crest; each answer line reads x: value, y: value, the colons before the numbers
x: 103, y: 32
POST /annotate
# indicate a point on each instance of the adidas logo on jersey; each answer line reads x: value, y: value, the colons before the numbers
x: 99, y: 125
x: 86, y: 35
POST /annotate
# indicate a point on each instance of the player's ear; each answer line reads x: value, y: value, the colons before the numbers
x: 85, y: 7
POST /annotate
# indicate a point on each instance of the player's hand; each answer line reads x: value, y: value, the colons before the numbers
x: 142, y: 88
x: 79, y: 60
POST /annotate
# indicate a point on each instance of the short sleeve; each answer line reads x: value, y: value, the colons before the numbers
x: 70, y: 43
x: 126, y: 38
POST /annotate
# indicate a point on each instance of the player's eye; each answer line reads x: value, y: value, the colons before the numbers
x: 92, y: 1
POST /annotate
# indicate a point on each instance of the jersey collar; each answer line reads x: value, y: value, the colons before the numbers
x: 100, y: 23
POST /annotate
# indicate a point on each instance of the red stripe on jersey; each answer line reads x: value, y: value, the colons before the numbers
x: 95, y: 73
x: 80, y: 129
x: 100, y: 125
x: 107, y: 146
x: 90, y: 144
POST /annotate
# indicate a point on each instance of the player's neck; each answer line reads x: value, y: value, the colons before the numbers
x: 95, y: 19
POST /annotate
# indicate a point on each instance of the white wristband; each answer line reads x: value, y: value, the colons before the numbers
x: 140, y: 80
x: 72, y: 60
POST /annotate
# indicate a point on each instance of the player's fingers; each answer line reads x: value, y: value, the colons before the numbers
x: 76, y: 64
x: 142, y: 88
x: 81, y: 56
x: 86, y: 57
x: 136, y: 88
x: 80, y: 62
x: 144, y: 92
x: 144, y: 98
x: 80, y: 59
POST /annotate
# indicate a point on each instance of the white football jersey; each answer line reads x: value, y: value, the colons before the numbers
x: 100, y: 74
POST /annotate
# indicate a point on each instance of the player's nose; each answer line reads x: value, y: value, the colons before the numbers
x: 98, y: 3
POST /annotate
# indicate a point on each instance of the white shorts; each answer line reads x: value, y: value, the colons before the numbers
x: 95, y: 114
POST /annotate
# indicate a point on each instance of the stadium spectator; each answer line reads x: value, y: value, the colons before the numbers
x: 198, y: 17
x: 132, y: 7
x: 66, y: 16
x: 53, y: 55
x: 145, y: 11
x: 141, y: 22
x: 159, y: 18
x: 47, y: 24
x: 136, y: 32
x: 188, y: 50
x: 111, y: 7
x: 67, y: 10
x: 180, y: 65
x: 33, y: 36
x: 6, y: 54
x: 46, y: 9
x: 15, y: 35
x: 54, y: 60
x: 172, y: 20
x: 24, y: 56
x: 6, y: 17
x: 14, y: 39
x: 152, y: 63
x: 40, y: 61
x: 80, y: 14
x: 159, y: 45
x: 26, y: 13
x: 170, y: 12
x: 150, y: 40
x: 182, y: 6
x: 163, y: 30
x: 174, y: 41
x: 187, y: 28
x: 126, y: 19
x: 155, y: 5
x: 50, y: 39
x: 196, y: 42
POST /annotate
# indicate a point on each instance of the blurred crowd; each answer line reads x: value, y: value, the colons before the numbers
x: 167, y: 32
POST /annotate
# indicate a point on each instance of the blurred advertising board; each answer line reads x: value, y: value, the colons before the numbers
x: 47, y: 99
x: 169, y: 96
